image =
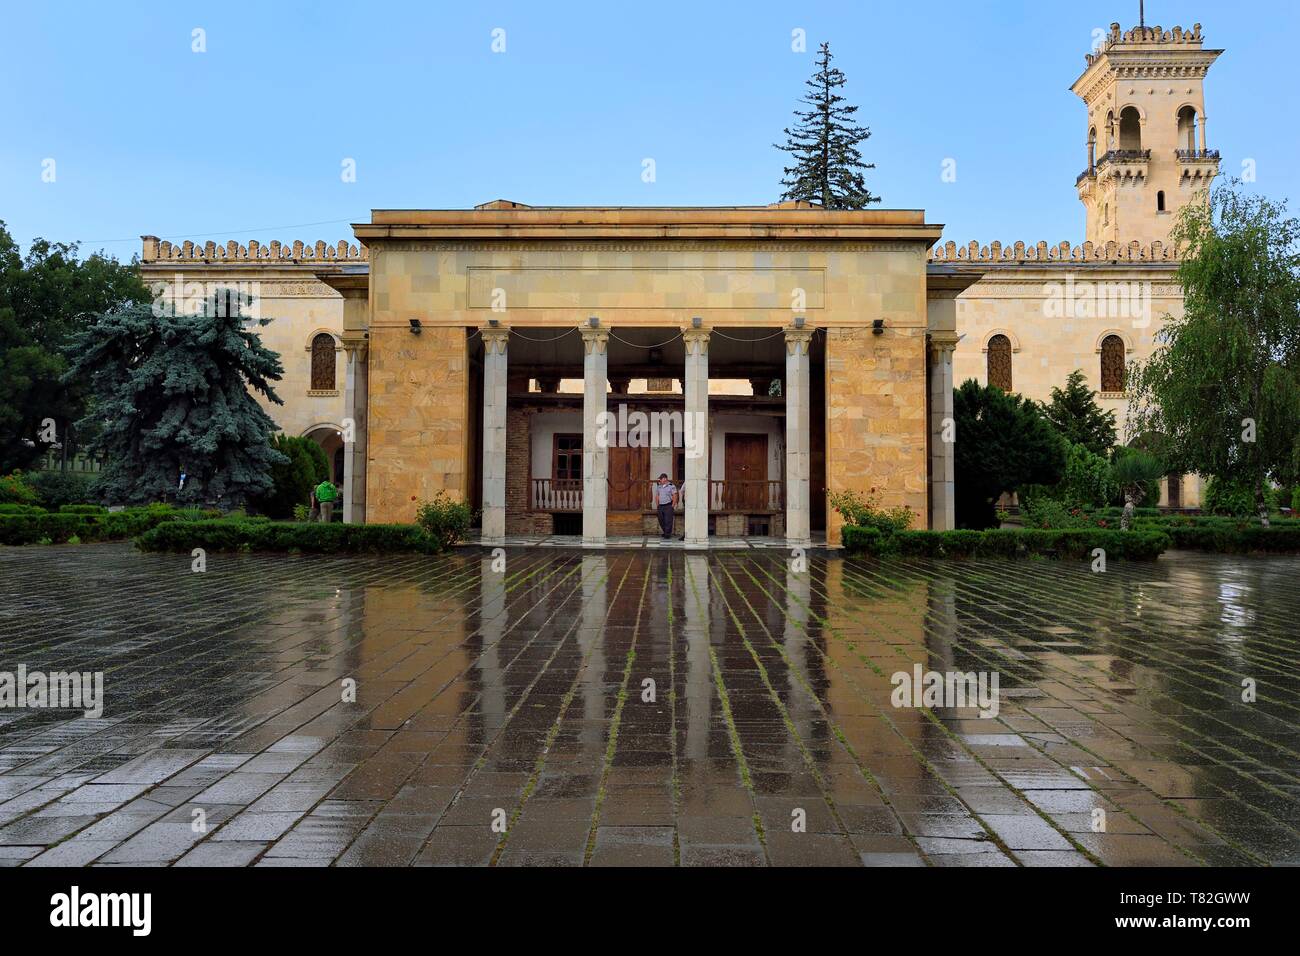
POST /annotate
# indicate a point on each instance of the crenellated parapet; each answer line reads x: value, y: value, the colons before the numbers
x: 1062, y: 252
x: 1144, y: 36
x: 276, y: 252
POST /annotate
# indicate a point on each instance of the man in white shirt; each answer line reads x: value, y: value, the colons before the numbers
x: 666, y: 504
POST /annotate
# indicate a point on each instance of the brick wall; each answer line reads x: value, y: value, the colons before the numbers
x: 519, y: 520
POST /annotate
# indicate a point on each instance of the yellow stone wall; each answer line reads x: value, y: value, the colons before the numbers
x: 419, y: 420
x: 876, y: 418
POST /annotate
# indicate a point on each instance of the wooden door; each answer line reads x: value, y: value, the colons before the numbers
x: 746, y: 473
x: 629, y: 479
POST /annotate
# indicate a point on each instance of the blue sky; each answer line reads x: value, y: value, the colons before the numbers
x: 247, y: 139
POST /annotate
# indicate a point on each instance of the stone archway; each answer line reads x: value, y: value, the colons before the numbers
x: 330, y: 439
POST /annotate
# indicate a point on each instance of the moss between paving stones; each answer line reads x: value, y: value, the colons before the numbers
x: 1008, y: 543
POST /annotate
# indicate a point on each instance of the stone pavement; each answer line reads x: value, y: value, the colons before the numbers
x: 648, y: 708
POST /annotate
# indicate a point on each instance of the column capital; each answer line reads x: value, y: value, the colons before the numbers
x: 495, y: 340
x: 358, y: 345
x: 942, y: 343
x: 594, y: 340
x: 696, y: 340
x: 797, y: 341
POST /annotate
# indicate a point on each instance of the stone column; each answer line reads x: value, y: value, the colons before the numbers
x: 1203, y: 139
x: 595, y: 456
x: 943, y: 512
x: 798, y: 457
x: 356, y: 391
x: 695, y: 437
x: 495, y: 342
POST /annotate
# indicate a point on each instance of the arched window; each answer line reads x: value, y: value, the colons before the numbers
x: 1112, y: 364
x: 1187, y: 128
x: 1130, y: 128
x: 322, y: 363
x: 999, y: 368
x: 1160, y: 201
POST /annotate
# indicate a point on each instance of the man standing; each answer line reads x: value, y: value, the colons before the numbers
x: 666, y: 500
x: 325, y: 494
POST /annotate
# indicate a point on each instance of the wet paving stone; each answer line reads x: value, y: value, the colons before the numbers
x: 649, y: 708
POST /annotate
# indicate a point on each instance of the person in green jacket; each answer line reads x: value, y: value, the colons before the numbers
x: 325, y: 494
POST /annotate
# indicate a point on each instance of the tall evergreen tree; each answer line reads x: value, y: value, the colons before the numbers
x: 824, y: 142
x: 1003, y: 444
x: 1077, y: 416
x: 174, y: 393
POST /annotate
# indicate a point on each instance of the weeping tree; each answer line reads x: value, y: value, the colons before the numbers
x: 174, y: 394
x: 1222, y: 385
x: 827, y: 166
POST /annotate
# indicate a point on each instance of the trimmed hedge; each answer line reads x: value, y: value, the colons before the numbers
x: 1229, y: 538
x: 334, y: 538
x: 38, y: 525
x: 1009, y: 543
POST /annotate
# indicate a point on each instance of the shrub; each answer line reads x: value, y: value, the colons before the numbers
x: 865, y: 513
x: 292, y: 479
x: 1010, y: 543
x: 59, y: 488
x: 12, y: 509
x: 445, y: 521
x: 83, y: 510
x: 15, y: 489
x: 1234, y: 497
x: 228, y: 535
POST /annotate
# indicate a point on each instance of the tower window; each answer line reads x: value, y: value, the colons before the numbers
x: 1160, y: 201
x: 999, y: 362
x: 1112, y: 364
x: 1130, y: 128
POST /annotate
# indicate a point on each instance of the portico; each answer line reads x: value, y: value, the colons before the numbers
x: 546, y: 364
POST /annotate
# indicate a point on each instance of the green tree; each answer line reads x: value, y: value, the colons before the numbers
x: 1135, y: 472
x: 1003, y: 443
x: 292, y: 479
x: 175, y: 392
x: 1074, y: 412
x: 828, y: 165
x: 1223, y: 384
x: 45, y: 299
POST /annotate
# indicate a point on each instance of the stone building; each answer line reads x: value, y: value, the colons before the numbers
x: 546, y: 363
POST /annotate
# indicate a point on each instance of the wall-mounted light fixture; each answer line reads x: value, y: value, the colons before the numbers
x: 415, y: 326
x: 798, y: 321
x: 494, y: 323
x: 594, y: 322
x: 877, y: 326
x: 697, y: 322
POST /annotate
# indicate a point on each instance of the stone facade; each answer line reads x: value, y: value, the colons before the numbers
x: 419, y: 420
x: 876, y: 430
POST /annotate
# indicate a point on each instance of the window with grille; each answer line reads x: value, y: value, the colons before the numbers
x: 322, y: 363
x: 1112, y: 364
x: 999, y: 362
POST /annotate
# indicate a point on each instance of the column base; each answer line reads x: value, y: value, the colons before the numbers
x: 798, y: 543
x: 696, y: 544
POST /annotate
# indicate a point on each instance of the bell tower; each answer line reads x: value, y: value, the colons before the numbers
x: 1148, y: 155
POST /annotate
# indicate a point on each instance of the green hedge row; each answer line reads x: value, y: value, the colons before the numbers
x: 1231, y: 539
x: 1009, y: 543
x: 234, y: 534
x: 31, y: 527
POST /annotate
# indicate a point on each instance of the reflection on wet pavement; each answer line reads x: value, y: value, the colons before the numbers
x: 648, y: 709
